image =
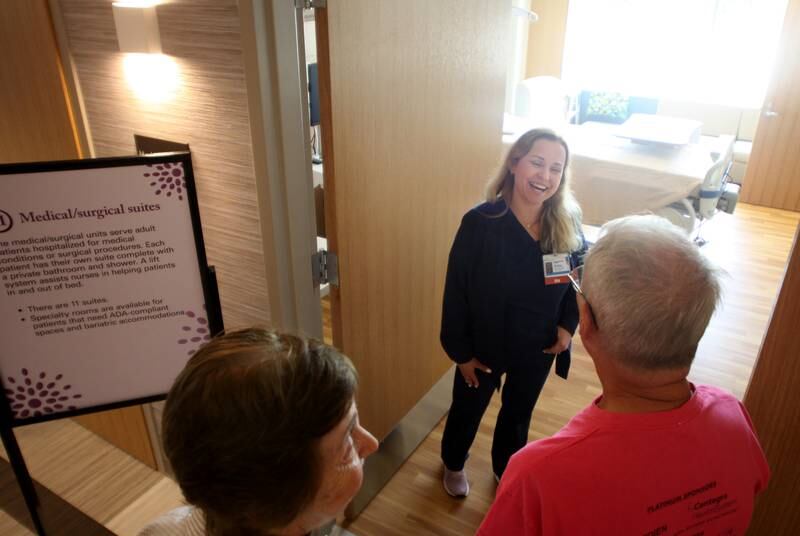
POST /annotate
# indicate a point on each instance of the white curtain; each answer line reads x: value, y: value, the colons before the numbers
x: 718, y: 51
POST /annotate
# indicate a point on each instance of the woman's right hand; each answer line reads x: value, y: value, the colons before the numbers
x: 468, y: 371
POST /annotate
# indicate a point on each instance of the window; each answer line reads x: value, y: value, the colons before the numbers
x: 719, y: 51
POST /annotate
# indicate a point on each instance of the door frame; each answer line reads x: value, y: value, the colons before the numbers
x: 273, y: 53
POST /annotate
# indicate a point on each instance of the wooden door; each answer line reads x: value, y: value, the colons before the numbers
x: 412, y: 116
x: 773, y: 171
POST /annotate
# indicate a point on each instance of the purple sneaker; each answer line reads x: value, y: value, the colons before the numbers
x: 455, y: 483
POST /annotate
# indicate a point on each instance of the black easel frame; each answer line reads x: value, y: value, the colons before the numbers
x: 210, y: 294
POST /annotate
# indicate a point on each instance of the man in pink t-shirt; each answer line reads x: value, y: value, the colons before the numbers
x: 653, y: 454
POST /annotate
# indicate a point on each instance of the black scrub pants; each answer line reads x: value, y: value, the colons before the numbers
x: 524, y: 380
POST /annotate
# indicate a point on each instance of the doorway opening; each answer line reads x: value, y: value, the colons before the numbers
x: 317, y: 159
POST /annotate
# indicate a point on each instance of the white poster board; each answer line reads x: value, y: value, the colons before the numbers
x: 103, y: 283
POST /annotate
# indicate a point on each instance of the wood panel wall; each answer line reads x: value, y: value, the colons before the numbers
x: 774, y: 407
x: 546, y: 38
x: 773, y: 172
x: 124, y: 428
x: 35, y: 117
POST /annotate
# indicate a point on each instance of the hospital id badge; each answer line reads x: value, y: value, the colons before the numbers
x: 556, y: 268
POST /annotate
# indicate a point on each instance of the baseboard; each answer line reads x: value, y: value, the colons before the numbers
x: 402, y: 442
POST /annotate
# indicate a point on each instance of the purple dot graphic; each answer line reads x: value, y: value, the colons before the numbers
x: 39, y: 397
x: 200, y: 329
x: 169, y: 173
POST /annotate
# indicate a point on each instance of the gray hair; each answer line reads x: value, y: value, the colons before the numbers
x: 651, y: 291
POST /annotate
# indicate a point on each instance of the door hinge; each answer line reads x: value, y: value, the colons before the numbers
x: 325, y: 268
x: 308, y: 4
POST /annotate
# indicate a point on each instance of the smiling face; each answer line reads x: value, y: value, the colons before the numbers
x: 538, y: 174
x: 343, y: 451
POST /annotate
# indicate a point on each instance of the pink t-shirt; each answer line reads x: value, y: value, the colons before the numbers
x: 692, y: 470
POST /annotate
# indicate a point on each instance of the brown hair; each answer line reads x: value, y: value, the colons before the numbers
x: 242, y: 424
x: 561, y: 214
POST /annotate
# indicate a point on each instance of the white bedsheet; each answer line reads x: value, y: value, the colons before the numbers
x: 613, y: 176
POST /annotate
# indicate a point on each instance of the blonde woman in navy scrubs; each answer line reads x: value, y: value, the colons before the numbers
x: 509, y: 310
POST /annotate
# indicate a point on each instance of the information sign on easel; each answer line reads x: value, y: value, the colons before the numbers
x: 104, y: 288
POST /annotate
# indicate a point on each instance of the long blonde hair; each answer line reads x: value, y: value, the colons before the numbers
x: 561, y: 214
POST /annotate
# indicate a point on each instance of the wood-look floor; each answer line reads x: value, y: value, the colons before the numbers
x: 751, y: 245
x: 122, y: 494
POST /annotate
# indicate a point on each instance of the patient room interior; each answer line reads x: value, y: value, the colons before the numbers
x: 687, y: 109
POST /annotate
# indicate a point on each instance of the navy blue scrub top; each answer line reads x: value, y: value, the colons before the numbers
x: 532, y: 309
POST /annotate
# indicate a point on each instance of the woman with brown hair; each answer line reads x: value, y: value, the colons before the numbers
x: 262, y: 432
x: 508, y: 305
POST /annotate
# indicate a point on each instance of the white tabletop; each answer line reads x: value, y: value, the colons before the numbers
x: 660, y: 129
